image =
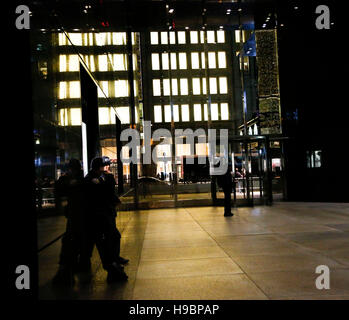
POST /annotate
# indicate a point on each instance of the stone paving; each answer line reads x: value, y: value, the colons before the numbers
x: 196, y: 253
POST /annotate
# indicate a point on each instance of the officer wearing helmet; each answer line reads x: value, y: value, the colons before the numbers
x: 101, y: 202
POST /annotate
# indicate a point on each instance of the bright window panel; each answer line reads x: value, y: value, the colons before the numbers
x: 75, y: 38
x: 194, y: 37
x: 174, y: 87
x: 203, y: 60
x: 195, y: 60
x: 165, y: 61
x: 92, y: 63
x: 103, y: 115
x: 213, y: 85
x: 214, y: 111
x: 175, y: 113
x: 63, y: 117
x: 173, y: 61
x: 164, y: 37
x: 184, y: 86
x: 74, y: 89
x: 90, y: 36
x: 167, y: 113
x: 154, y: 38
x: 155, y: 61
x: 103, y: 62
x: 212, y: 60
x: 73, y: 62
x: 121, y: 88
x: 156, y: 87
x: 62, y: 63
x: 204, y: 86
x: 62, y: 90
x: 201, y: 149
x: 62, y: 40
x: 237, y: 36
x: 223, y: 85
x: 202, y: 37
x: 210, y: 37
x: 196, y: 86
x: 197, y: 112
x: 124, y: 114
x: 182, y: 57
x: 104, y: 38
x: 75, y: 116
x: 172, y: 37
x: 157, y: 113
x: 112, y: 116
x: 222, y: 60
x: 181, y: 37
x: 119, y: 62
x: 182, y: 150
x: 119, y: 38
x: 224, y: 111
x: 185, y: 112
x: 166, y: 85
x: 220, y: 37
x: 205, y: 112
x: 104, y: 85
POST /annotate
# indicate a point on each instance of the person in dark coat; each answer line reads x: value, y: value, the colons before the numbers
x: 101, y: 202
x: 225, y: 181
x: 69, y: 201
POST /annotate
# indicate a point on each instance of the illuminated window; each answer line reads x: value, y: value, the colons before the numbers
x: 73, y: 62
x: 163, y: 37
x: 112, y: 116
x: 157, y: 113
x: 194, y: 37
x: 62, y: 90
x: 182, y: 57
x: 204, y: 87
x: 220, y: 36
x: 62, y: 40
x: 155, y: 61
x: 172, y: 37
x: 237, y: 36
x: 167, y: 113
x: 92, y: 63
x: 246, y: 63
x: 212, y: 60
x: 103, y: 39
x: 197, y: 112
x: 134, y: 62
x: 174, y: 87
x: 165, y: 61
x: 90, y: 36
x: 103, y: 62
x: 195, y: 60
x: 121, y: 88
x: 205, y: 112
x: 210, y: 37
x: 63, y: 117
x: 203, y: 64
x: 175, y: 113
x: 185, y: 112
x: 74, y: 89
x: 104, y: 85
x: 75, y: 38
x: 173, y: 61
x: 166, y: 85
x: 224, y: 111
x: 202, y: 36
x: 119, y: 38
x: 75, y: 116
x: 201, y: 149
x: 154, y: 38
x: 123, y: 114
x: 223, y: 85
x: 214, y: 111
x: 196, y: 86
x: 119, y: 62
x: 103, y: 116
x: 181, y: 37
x: 156, y: 87
x: 184, y: 86
x: 213, y: 85
x: 62, y: 63
x: 222, y: 61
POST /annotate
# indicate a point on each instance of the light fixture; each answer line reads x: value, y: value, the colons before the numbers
x: 171, y: 10
x: 239, y: 9
x: 296, y: 8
